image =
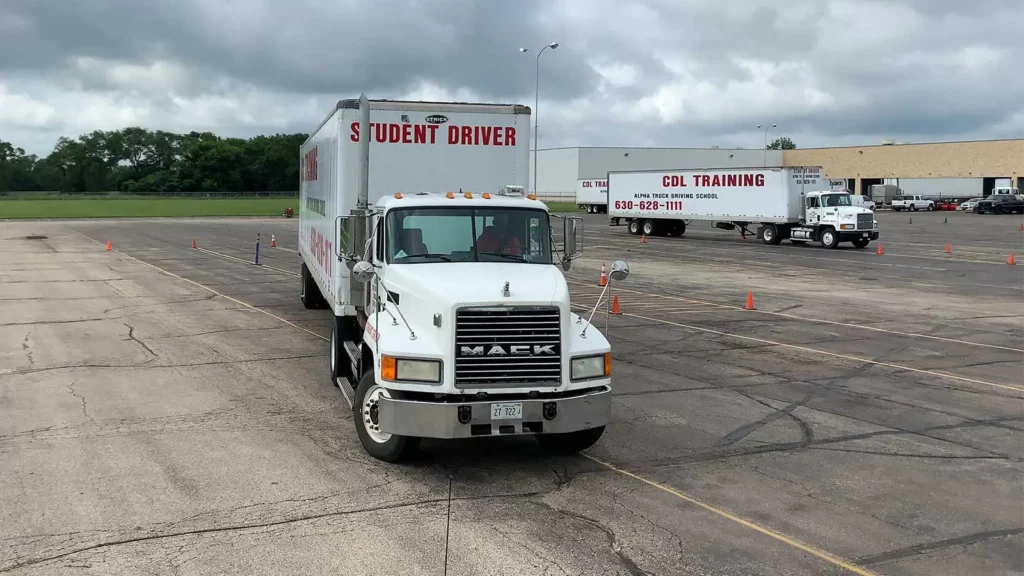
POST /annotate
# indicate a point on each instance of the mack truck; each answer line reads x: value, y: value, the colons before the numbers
x: 451, y: 316
x: 785, y: 204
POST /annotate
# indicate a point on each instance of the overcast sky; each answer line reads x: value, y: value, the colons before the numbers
x: 637, y: 73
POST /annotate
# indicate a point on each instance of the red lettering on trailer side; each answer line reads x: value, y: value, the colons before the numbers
x: 309, y: 167
x: 673, y: 181
x: 725, y: 180
x: 392, y: 133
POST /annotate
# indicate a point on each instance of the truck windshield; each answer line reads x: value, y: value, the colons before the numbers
x: 836, y: 200
x: 420, y: 235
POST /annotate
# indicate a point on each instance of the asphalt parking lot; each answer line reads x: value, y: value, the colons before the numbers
x: 165, y: 410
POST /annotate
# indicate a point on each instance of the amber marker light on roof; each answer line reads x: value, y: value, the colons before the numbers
x: 531, y: 196
x: 398, y: 195
x: 450, y: 195
x: 487, y: 196
x: 468, y: 194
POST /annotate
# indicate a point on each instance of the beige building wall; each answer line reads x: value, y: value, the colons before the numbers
x: 981, y: 159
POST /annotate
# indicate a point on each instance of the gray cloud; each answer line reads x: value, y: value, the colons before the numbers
x: 654, y: 72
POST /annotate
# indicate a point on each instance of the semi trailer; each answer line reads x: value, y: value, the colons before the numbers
x: 450, y: 315
x: 592, y: 196
x: 785, y: 204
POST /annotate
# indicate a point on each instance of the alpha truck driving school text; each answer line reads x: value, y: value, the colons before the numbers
x: 451, y: 316
x: 785, y: 203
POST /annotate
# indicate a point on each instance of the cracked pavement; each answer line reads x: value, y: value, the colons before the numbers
x: 149, y: 426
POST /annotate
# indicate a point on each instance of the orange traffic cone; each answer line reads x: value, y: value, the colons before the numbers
x: 750, y: 300
x: 615, y: 305
x: 1012, y: 261
x: 109, y: 246
x: 194, y: 247
x: 1022, y: 227
x: 643, y: 238
x: 603, y: 281
x: 273, y: 241
x: 880, y: 250
x: 948, y: 251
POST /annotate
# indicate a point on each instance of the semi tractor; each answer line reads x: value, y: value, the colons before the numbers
x: 450, y: 315
x: 785, y: 204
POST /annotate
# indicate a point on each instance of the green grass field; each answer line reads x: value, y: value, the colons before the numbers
x: 100, y: 207
x: 145, y: 207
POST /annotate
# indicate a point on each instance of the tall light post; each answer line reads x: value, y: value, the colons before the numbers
x: 536, y: 104
x: 766, y: 142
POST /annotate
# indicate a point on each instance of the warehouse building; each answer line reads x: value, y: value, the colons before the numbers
x: 945, y: 168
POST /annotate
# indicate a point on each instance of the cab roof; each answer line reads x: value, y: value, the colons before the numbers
x: 465, y: 199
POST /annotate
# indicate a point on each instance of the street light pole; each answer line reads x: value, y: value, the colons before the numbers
x: 766, y: 142
x: 536, y: 104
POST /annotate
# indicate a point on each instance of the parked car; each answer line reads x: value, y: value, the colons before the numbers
x: 968, y: 205
x: 912, y: 202
x: 1001, y: 204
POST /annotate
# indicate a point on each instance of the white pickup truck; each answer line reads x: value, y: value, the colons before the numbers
x: 912, y: 202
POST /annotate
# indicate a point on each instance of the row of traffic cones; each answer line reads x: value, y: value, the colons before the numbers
x: 1011, y: 261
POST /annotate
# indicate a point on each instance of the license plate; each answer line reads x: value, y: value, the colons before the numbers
x: 510, y: 411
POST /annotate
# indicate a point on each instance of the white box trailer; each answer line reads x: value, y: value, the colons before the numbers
x: 787, y: 203
x: 451, y: 318
x: 592, y: 196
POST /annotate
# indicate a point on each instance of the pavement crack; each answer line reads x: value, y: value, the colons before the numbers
x: 85, y: 407
x: 613, y: 541
x: 909, y: 551
x: 152, y: 366
x: 28, y: 349
x: 131, y: 336
x: 254, y: 525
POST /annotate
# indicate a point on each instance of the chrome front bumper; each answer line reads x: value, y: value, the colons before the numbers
x: 441, y: 420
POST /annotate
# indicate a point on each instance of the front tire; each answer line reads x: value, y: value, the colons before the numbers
x: 931, y: 207
x: 829, y: 238
x: 570, y: 442
x: 380, y: 445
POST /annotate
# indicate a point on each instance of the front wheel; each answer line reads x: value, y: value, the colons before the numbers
x: 829, y: 238
x: 570, y: 442
x: 861, y: 242
x: 380, y: 445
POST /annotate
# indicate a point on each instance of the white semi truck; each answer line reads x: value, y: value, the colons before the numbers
x: 785, y: 203
x: 592, y: 196
x: 451, y: 318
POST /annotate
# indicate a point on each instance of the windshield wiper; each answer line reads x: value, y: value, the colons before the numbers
x: 443, y: 257
x: 502, y: 255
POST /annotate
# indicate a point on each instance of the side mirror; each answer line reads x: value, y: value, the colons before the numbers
x: 619, y: 270
x: 345, y: 234
x: 363, y: 271
x: 572, y: 238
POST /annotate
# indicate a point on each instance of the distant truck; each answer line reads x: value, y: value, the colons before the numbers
x: 592, y: 196
x: 786, y: 203
x: 450, y: 317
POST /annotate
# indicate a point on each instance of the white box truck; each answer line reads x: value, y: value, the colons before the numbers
x: 451, y: 318
x: 592, y: 196
x: 786, y: 203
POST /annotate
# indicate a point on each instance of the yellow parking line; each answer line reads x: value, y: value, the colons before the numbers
x: 789, y: 541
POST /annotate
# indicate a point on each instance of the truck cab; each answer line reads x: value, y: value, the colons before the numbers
x: 468, y: 329
x: 832, y: 217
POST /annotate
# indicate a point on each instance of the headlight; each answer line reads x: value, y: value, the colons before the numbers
x: 410, y: 370
x: 847, y: 226
x: 590, y: 367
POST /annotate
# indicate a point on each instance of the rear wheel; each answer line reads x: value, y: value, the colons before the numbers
x: 677, y: 229
x: 931, y: 207
x: 770, y: 235
x: 309, y: 292
x: 634, y: 227
x: 570, y: 442
x: 649, y: 227
x: 380, y: 445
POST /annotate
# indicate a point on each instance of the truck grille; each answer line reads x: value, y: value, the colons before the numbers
x: 507, y: 347
x: 865, y: 221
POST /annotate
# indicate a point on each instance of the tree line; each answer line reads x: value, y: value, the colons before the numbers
x: 134, y: 160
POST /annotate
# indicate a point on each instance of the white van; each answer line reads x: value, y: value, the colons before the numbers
x: 862, y: 201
